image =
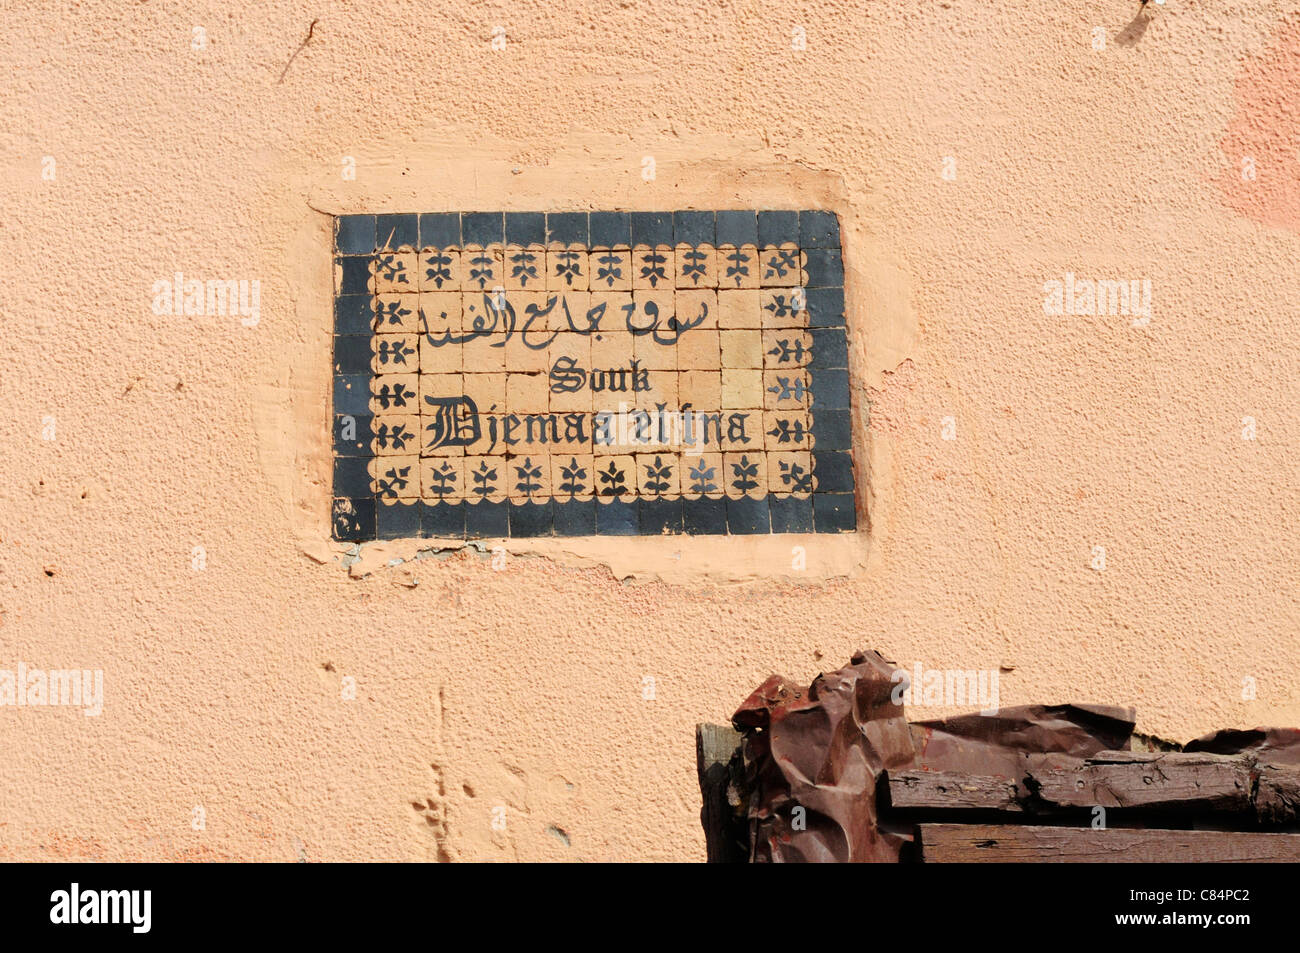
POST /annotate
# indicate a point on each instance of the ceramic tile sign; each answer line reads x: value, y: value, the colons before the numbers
x: 590, y: 373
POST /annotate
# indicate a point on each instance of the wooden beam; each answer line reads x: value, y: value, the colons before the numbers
x: 944, y: 791
x: 1009, y: 843
x: 717, y: 761
x: 1150, y: 780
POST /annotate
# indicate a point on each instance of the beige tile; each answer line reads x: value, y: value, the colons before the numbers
x: 738, y: 267
x: 790, y: 473
x: 697, y: 266
x: 437, y: 358
x: 488, y: 391
x: 395, y: 272
x: 702, y: 476
x: 395, y: 478
x: 615, y: 477
x: 525, y: 267
x: 702, y: 390
x: 485, y: 479
x: 745, y: 475
x: 526, y: 394
x: 785, y: 430
x: 696, y: 310
x: 780, y: 308
x: 571, y: 312
x: 611, y: 270
x: 395, y: 435
x: 739, y: 309
x: 658, y: 476
x: 442, y: 479
x: 786, y: 390
x: 441, y: 314
x: 786, y: 349
x: 394, y: 394
x: 779, y: 266
x: 395, y: 354
x: 742, y: 430
x: 573, y: 476
x: 482, y: 269
x: 528, y: 477
x: 486, y: 354
x: 397, y: 314
x: 742, y: 388
x: 568, y: 269
x: 440, y: 270
x: 742, y: 349
x: 653, y: 269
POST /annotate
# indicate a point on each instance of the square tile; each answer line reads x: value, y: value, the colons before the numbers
x: 352, y: 435
x: 352, y: 275
x: 824, y: 267
x: 400, y: 520
x: 778, y: 227
x: 652, y: 228
x: 444, y: 520
x: 482, y: 229
x: 610, y: 270
x: 355, y: 234
x: 617, y: 518
x: 397, y: 313
x: 530, y: 519
x: 737, y: 228
x: 697, y: 266
x: 440, y: 270
x: 485, y: 520
x: 833, y: 471
x: 660, y: 517
x: 353, y: 314
x: 791, y: 514
x: 353, y: 520
x: 526, y: 228
x: 397, y: 232
x: 654, y: 267
x: 611, y: 230
x: 694, y: 228
x: 575, y: 517
x: 567, y: 228
x: 748, y: 517
x: 396, y: 273
x: 834, y: 513
x: 440, y: 230
x: 819, y: 229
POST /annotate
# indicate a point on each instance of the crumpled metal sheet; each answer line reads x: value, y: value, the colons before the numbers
x: 822, y: 750
x: 1016, y: 741
x: 1270, y: 745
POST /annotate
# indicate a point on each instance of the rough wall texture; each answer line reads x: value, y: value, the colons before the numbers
x: 523, y: 688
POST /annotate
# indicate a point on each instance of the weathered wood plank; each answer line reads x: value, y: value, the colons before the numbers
x: 945, y: 791
x: 1277, y: 798
x: 716, y: 758
x: 1009, y: 843
x: 1149, y: 780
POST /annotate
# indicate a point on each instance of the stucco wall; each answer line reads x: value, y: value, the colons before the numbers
x: 522, y: 687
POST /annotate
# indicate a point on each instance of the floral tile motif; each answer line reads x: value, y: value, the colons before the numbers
x: 590, y: 373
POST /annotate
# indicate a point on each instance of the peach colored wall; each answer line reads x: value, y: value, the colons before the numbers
x: 522, y: 687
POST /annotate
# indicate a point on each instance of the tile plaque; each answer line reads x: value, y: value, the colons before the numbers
x: 590, y: 373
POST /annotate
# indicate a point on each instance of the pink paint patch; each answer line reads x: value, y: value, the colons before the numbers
x: 1262, y: 142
